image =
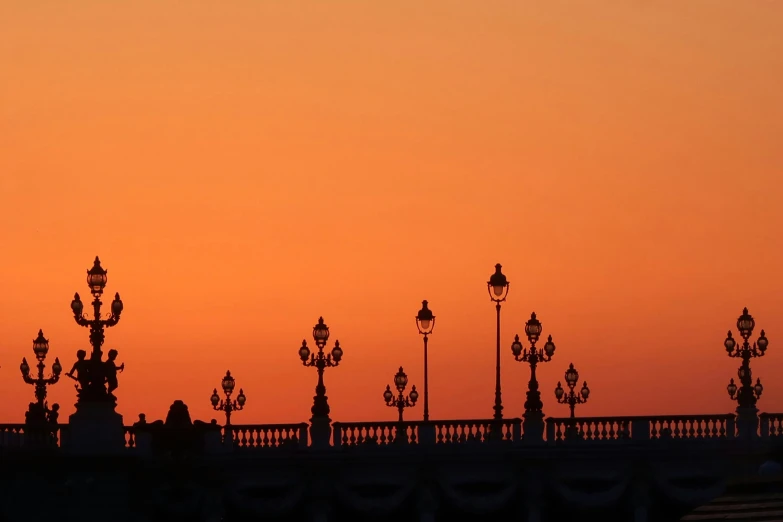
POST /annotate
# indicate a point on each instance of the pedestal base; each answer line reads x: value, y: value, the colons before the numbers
x: 320, y: 432
x: 95, y: 428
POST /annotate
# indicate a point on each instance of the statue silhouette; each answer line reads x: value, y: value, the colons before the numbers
x: 110, y: 371
x: 82, y: 369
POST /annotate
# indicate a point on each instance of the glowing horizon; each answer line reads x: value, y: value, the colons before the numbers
x: 244, y: 169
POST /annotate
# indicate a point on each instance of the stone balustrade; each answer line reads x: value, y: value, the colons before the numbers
x: 771, y: 425
x: 619, y: 429
x: 448, y: 432
x: 250, y: 436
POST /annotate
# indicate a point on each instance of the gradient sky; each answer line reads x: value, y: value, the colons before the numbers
x: 243, y: 167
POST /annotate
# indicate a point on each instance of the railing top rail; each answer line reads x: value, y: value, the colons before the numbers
x: 362, y: 424
x: 292, y: 425
x: 716, y: 416
x: 771, y: 415
x: 16, y: 425
x: 513, y: 420
x: 370, y: 424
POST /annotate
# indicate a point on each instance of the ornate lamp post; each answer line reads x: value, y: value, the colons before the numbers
x: 498, y: 287
x: 228, y: 405
x: 748, y: 394
x: 93, y: 389
x: 401, y: 401
x: 38, y: 411
x: 572, y: 398
x: 425, y: 322
x: 534, y: 356
x: 320, y: 361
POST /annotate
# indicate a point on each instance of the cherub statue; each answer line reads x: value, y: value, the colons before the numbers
x: 110, y: 370
x: 53, y: 414
x: 82, y: 369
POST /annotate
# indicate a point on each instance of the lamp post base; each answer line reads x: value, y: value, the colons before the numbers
x: 95, y: 428
x: 533, y: 427
x: 320, y: 432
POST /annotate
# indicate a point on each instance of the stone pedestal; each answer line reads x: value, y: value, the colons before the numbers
x: 747, y: 423
x: 533, y: 430
x: 95, y: 428
x: 320, y: 432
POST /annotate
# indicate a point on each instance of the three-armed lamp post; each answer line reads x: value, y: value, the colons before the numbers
x: 96, y: 280
x: 425, y: 322
x: 534, y: 356
x: 228, y: 406
x: 401, y: 401
x: 320, y: 361
x: 498, y: 287
x: 38, y: 411
x: 572, y: 398
x: 748, y: 393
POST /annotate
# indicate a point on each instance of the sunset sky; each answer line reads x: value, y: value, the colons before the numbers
x: 242, y: 167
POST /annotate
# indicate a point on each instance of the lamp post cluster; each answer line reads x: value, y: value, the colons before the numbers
x: 228, y: 405
x: 320, y: 361
x: 747, y: 393
x: 39, y: 413
x: 93, y: 374
x: 400, y: 401
x: 533, y: 356
x: 572, y: 398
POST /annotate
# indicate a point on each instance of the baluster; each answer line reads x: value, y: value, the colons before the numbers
x: 691, y: 427
x: 654, y: 429
x: 722, y: 428
x: 558, y: 431
x: 699, y: 429
x: 440, y: 434
x: 612, y: 431
x: 352, y: 436
x: 603, y: 430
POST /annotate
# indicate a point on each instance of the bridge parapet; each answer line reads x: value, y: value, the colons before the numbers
x: 641, y: 428
x: 771, y: 425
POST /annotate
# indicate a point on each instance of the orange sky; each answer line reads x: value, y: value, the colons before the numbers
x: 244, y: 167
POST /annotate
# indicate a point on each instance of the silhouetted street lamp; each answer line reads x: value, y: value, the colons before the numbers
x: 748, y: 394
x: 228, y: 405
x: 572, y: 398
x: 96, y: 280
x: 320, y: 362
x: 534, y: 356
x: 425, y: 322
x: 498, y: 287
x: 38, y: 410
x: 401, y: 401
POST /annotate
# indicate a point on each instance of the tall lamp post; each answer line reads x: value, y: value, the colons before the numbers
x: 748, y: 393
x: 320, y: 361
x: 533, y: 406
x: 93, y: 389
x: 37, y: 413
x: 498, y: 287
x: 401, y: 401
x: 572, y: 398
x: 425, y: 322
